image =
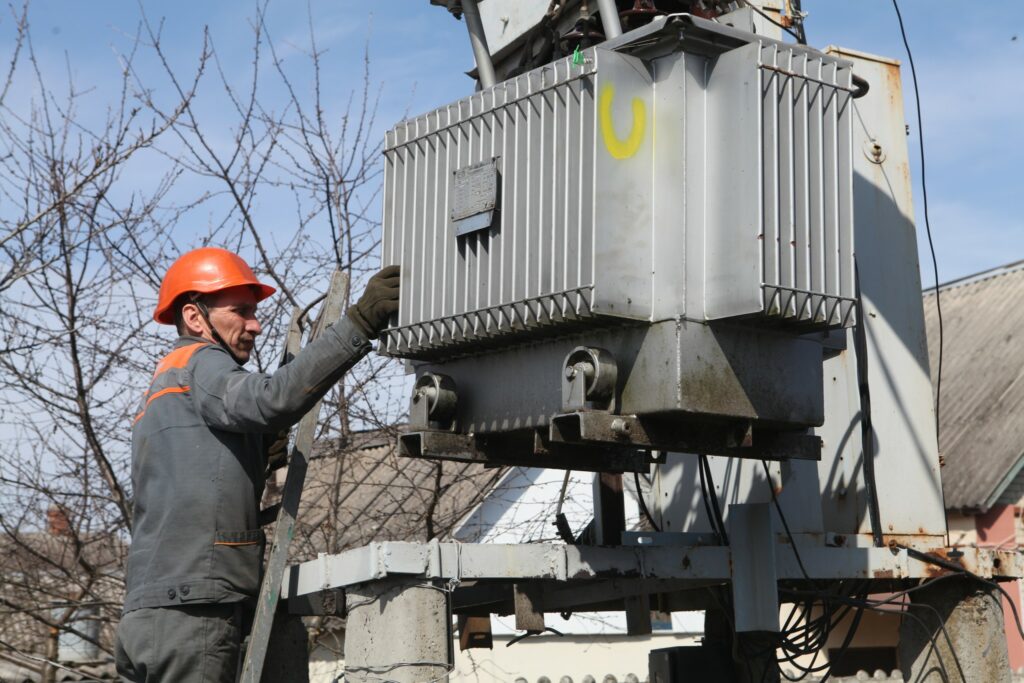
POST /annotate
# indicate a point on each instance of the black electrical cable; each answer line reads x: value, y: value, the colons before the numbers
x: 715, y: 507
x: 707, y: 503
x: 876, y: 606
x: 927, y: 222
x: 643, y: 505
x: 811, y: 636
x: 867, y: 431
x: 860, y: 86
x: 958, y: 570
x: 814, y: 644
x: 785, y: 524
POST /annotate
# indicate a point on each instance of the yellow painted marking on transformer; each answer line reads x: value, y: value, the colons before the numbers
x: 618, y: 147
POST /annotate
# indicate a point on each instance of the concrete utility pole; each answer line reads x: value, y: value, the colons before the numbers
x: 955, y: 634
x: 398, y: 630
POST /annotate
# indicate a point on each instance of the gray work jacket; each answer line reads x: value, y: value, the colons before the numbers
x: 198, y: 463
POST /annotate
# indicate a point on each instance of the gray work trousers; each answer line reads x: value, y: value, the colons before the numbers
x: 191, y: 644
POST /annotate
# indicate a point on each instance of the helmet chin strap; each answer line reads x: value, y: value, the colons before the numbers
x: 205, y: 312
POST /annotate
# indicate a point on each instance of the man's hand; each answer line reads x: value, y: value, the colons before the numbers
x: 378, y: 302
x: 277, y: 452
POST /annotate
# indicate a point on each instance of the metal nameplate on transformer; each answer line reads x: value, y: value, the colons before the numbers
x: 474, y: 197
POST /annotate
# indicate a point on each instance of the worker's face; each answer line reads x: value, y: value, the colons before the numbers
x: 233, y: 313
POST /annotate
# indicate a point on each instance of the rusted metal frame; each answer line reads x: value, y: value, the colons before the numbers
x: 581, y: 566
x: 529, y: 448
x: 284, y: 529
x: 741, y: 441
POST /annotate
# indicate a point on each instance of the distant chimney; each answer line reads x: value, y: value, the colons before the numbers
x: 57, y: 522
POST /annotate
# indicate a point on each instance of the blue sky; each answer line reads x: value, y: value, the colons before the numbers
x: 969, y: 64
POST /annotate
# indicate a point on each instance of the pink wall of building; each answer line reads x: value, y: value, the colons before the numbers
x: 998, y: 528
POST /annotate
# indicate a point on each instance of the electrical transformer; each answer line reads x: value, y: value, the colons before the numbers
x: 632, y: 249
x: 638, y: 246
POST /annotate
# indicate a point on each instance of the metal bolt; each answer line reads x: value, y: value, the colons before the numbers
x: 620, y: 427
x: 876, y: 152
x: 570, y: 372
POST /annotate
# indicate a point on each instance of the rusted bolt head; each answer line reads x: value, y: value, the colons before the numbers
x: 620, y: 427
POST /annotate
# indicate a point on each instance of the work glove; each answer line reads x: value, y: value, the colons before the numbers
x: 378, y: 302
x: 277, y: 451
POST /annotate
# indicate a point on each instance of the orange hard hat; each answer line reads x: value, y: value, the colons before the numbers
x: 205, y: 270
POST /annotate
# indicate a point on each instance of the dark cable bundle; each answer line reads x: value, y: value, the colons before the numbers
x: 707, y: 490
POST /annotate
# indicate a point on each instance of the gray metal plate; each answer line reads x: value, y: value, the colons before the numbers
x: 474, y: 196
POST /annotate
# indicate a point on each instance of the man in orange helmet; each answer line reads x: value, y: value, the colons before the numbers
x: 199, y: 444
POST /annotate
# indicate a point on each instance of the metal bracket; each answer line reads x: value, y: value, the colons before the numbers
x: 434, y: 399
x: 731, y: 439
x: 589, y: 380
x: 526, y: 448
x: 526, y: 598
x: 475, y: 632
x: 754, y: 580
x: 329, y: 603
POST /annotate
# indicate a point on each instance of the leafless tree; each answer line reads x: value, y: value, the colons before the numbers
x: 83, y: 243
x: 80, y: 245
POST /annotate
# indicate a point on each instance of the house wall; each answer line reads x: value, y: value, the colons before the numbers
x: 962, y: 531
x: 547, y: 655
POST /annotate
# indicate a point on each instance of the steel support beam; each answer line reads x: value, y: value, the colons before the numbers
x: 699, y: 564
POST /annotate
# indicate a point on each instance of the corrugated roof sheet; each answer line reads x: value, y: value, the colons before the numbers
x: 360, y: 493
x: 981, y: 430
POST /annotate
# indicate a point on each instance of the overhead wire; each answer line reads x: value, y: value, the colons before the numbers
x: 810, y: 634
x: 927, y: 221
